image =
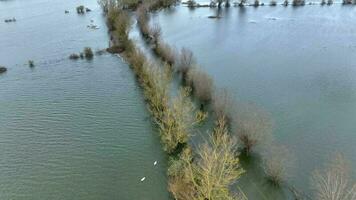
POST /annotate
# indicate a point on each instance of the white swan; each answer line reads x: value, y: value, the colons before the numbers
x: 142, y: 179
x: 155, y: 163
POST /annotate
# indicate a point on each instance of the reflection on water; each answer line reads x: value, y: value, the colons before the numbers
x: 71, y: 129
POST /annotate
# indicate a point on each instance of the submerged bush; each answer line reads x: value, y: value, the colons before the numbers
x: 165, y: 52
x: 222, y: 105
x: 80, y: 9
x: 31, y: 63
x: 202, y: 85
x: 155, y: 33
x: 277, y: 162
x: 88, y: 53
x: 74, y: 56
x: 185, y: 62
x: 334, y: 181
x: 2, y: 69
x: 346, y: 1
x: 252, y: 126
x: 273, y: 3
x: 191, y: 3
x: 298, y: 2
x: 256, y: 3
x: 142, y: 20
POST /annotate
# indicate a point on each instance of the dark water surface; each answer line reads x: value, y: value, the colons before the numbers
x: 71, y: 129
x: 299, y: 64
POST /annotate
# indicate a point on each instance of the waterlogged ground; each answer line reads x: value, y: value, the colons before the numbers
x: 298, y: 64
x: 71, y: 129
x: 80, y: 130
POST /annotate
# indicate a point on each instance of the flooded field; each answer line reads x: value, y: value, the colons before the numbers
x: 298, y: 64
x: 81, y: 130
x: 71, y: 129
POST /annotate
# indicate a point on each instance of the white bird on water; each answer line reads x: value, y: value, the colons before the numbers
x: 142, y: 179
x: 155, y: 163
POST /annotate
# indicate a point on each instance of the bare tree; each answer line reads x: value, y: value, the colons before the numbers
x: 252, y: 126
x: 185, y: 62
x: 277, y: 162
x: 202, y: 85
x: 155, y: 33
x: 212, y: 172
x: 222, y: 104
x: 334, y: 182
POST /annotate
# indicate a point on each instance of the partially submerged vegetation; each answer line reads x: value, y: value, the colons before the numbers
x: 208, y: 170
x: 213, y: 170
x: 10, y: 20
x: 88, y: 53
x: 74, y: 56
x: 175, y: 120
x: 334, y: 181
x: 2, y: 69
x: 202, y: 85
x: 31, y: 63
x: 277, y: 162
x: 253, y: 127
x: 80, y: 9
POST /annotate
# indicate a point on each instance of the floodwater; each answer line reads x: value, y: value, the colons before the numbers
x: 71, y: 129
x: 298, y: 64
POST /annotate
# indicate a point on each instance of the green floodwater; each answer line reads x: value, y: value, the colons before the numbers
x: 71, y: 129
x: 80, y: 129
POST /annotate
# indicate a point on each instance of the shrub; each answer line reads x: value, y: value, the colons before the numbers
x: 211, y: 173
x: 298, y: 2
x: 142, y: 20
x: 323, y: 2
x: 191, y: 3
x: 2, y: 69
x: 165, y: 52
x: 31, y: 63
x: 346, y: 1
x: 273, y: 3
x: 227, y: 3
x: 74, y: 56
x: 286, y: 3
x: 256, y: 3
x: 202, y: 85
x: 222, y: 104
x: 155, y: 33
x: 334, y: 182
x: 185, y: 62
x: 177, y: 122
x: 115, y: 49
x: 88, y: 53
x: 277, y: 162
x: 80, y: 9
x: 105, y: 4
x: 242, y: 3
x: 330, y: 2
x: 252, y: 126
x: 212, y: 3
